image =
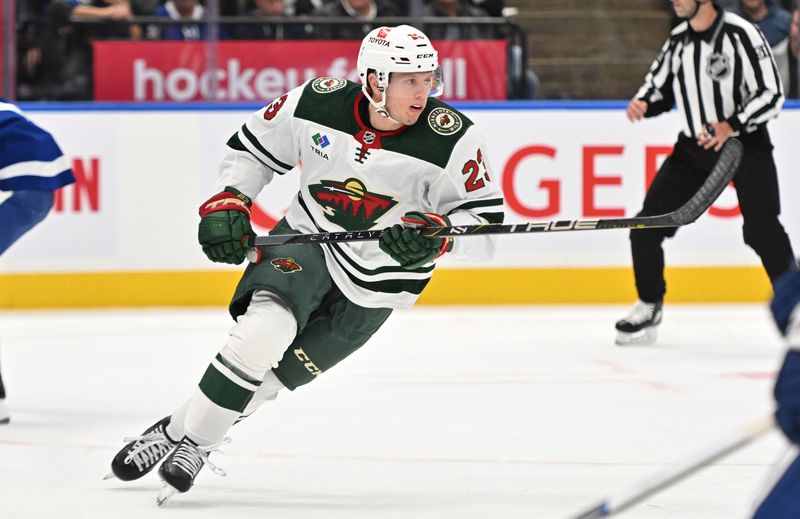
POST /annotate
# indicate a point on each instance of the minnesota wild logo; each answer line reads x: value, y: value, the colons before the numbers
x: 444, y: 121
x: 326, y: 85
x: 349, y: 205
x: 286, y: 265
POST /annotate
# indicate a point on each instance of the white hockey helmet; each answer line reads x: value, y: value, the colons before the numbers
x: 396, y: 49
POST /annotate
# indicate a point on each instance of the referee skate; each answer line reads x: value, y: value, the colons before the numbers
x: 640, y: 326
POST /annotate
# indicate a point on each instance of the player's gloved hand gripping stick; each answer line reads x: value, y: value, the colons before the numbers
x: 225, y: 232
x: 410, y: 248
x: 722, y: 173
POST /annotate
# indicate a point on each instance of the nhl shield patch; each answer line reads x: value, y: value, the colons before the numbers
x: 718, y: 66
x: 326, y: 85
x: 286, y: 265
x: 444, y: 121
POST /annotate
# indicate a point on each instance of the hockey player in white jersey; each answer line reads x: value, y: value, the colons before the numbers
x: 384, y: 154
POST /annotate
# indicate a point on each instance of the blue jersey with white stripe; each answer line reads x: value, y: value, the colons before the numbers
x: 29, y: 156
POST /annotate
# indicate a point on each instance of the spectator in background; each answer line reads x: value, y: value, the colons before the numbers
x: 361, y: 10
x: 492, y: 7
x: 144, y: 7
x: 775, y: 23
x: 457, y: 8
x: 40, y: 52
x: 234, y: 7
x: 183, y: 11
x: 71, y: 45
x: 266, y: 31
x: 519, y: 73
x: 106, y: 10
x: 93, y: 9
x: 302, y: 8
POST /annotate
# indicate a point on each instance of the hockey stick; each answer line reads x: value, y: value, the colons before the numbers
x: 613, y: 505
x: 721, y: 175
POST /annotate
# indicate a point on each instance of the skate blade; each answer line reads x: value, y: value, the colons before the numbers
x: 642, y: 337
x: 108, y: 476
x: 165, y: 493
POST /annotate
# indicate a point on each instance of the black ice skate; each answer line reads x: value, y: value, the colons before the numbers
x: 142, y: 453
x: 639, y: 327
x: 182, y: 466
x: 4, y: 416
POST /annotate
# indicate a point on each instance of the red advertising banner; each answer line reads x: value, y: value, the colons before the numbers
x: 258, y: 71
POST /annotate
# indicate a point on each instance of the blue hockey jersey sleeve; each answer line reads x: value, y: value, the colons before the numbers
x: 30, y: 159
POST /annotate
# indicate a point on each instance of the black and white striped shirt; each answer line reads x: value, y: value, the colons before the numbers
x: 726, y: 73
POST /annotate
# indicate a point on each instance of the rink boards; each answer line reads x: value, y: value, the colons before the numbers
x: 125, y: 235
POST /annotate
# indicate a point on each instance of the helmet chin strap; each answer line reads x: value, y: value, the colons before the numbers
x: 380, y: 106
x: 697, y: 5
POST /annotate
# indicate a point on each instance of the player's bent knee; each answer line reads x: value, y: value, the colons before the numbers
x: 34, y: 205
x: 261, y: 335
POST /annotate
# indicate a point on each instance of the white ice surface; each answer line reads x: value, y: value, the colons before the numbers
x: 526, y: 412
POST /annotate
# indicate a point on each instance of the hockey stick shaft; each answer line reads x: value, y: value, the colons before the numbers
x: 613, y: 505
x: 721, y: 175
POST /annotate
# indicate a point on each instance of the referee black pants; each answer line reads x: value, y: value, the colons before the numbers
x: 680, y: 176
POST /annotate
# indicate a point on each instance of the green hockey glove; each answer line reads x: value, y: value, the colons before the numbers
x: 406, y: 246
x: 225, y: 232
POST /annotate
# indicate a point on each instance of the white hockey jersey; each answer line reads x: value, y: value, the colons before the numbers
x: 353, y: 177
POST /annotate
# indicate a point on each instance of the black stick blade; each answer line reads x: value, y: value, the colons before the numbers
x: 724, y: 170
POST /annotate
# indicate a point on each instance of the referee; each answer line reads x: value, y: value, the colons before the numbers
x: 719, y: 71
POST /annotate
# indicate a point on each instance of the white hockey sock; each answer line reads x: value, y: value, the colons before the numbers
x: 255, y: 344
x: 267, y: 392
x: 206, y: 423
